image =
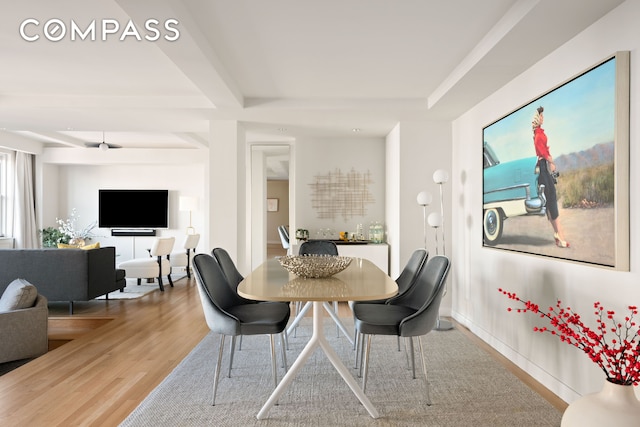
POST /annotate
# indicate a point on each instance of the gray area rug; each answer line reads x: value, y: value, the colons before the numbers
x: 132, y: 291
x: 468, y: 388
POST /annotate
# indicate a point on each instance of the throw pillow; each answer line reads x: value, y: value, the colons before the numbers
x: 18, y: 295
x: 86, y: 247
x: 93, y: 246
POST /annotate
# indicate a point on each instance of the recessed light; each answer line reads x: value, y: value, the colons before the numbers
x: 356, y: 130
x: 282, y: 129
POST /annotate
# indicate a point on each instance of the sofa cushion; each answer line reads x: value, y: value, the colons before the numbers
x: 18, y: 295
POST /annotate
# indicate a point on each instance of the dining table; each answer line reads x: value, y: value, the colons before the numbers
x: 362, y: 280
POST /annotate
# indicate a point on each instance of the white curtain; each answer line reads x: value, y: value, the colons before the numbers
x: 25, y: 231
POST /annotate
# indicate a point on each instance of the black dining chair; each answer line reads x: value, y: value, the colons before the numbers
x: 405, y: 280
x: 229, y: 269
x: 318, y: 247
x: 228, y: 314
x: 234, y: 278
x: 413, y: 314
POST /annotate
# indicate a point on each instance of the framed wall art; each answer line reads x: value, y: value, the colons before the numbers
x: 556, y: 171
x: 272, y: 205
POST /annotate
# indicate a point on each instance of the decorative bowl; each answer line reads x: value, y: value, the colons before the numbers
x: 314, y: 266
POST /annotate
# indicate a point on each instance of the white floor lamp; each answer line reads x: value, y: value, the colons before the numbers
x: 188, y: 203
x: 424, y: 199
x: 440, y: 177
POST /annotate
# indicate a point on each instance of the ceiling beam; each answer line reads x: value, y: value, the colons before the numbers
x: 513, y: 16
x: 191, y: 53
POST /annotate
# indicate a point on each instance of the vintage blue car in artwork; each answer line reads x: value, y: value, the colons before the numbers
x: 509, y: 189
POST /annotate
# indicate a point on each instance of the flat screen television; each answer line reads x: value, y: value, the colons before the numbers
x: 133, y: 208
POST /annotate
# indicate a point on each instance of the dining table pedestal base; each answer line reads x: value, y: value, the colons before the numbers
x: 318, y: 339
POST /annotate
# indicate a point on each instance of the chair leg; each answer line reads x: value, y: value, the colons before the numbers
x: 232, y: 350
x: 216, y: 375
x: 424, y: 368
x: 160, y: 283
x: 170, y: 280
x: 363, y: 337
x: 406, y: 353
x: 335, y: 308
x: 365, y: 362
x: 413, y: 358
x: 356, y: 348
x: 187, y: 268
x: 274, y: 369
x: 240, y: 343
x: 283, y: 350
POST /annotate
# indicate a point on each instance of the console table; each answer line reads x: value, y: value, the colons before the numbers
x: 377, y: 253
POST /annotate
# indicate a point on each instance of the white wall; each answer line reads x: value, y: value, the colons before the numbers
x: 76, y: 186
x: 415, y: 150
x: 478, y: 271
x: 319, y: 157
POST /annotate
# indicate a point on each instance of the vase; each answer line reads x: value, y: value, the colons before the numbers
x: 614, y: 405
x: 77, y: 241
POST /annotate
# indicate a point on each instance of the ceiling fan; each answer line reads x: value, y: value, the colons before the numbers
x: 102, y: 145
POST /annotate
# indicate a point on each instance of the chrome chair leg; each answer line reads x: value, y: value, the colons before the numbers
x: 424, y: 368
x: 231, y: 353
x: 283, y: 349
x: 365, y: 362
x: 335, y: 308
x: 216, y: 375
x: 413, y: 357
x: 356, y: 348
x: 406, y: 353
x: 274, y: 369
x: 362, y: 339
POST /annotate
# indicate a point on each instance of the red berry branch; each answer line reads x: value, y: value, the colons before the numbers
x: 619, y: 357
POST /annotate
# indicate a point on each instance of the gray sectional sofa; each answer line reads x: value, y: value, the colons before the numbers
x: 63, y: 274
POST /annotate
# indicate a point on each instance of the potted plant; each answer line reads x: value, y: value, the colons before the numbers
x: 612, y: 345
x: 51, y: 236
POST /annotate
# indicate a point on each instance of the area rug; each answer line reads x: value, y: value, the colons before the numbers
x: 468, y: 388
x: 132, y: 291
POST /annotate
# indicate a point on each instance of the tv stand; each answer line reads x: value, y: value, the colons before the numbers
x: 133, y: 232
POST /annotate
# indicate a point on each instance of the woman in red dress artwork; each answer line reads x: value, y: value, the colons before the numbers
x: 547, y: 166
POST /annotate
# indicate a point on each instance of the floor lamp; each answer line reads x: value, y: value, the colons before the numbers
x: 424, y: 199
x: 440, y: 177
x: 435, y: 221
x: 188, y: 203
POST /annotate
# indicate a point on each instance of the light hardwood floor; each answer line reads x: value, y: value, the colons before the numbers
x: 119, y: 351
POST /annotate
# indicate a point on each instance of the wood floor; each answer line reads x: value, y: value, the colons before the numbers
x: 110, y: 355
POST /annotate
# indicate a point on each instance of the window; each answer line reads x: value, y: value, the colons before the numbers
x: 4, y: 188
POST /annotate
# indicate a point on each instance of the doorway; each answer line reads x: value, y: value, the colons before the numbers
x: 270, y: 199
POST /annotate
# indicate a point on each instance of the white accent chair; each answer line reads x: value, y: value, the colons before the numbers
x: 155, y: 266
x: 183, y: 259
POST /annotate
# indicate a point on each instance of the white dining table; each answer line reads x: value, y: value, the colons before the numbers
x: 360, y: 281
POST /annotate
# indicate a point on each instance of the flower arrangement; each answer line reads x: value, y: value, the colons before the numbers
x: 618, y: 358
x: 68, y: 227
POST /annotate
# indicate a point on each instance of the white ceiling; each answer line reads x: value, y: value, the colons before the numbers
x: 285, y: 68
